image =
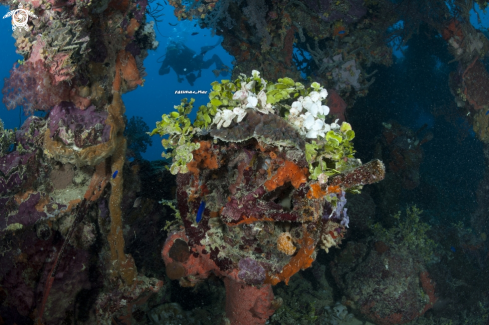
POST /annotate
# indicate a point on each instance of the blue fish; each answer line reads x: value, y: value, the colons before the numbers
x: 341, y: 32
x: 487, y: 112
x: 200, y: 212
x: 115, y: 174
x: 453, y: 249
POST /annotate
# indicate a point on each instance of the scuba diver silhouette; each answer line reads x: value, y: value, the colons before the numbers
x: 185, y: 62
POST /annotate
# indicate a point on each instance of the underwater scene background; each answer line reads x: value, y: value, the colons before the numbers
x: 244, y: 162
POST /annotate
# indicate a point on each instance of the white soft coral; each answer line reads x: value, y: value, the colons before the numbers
x: 225, y: 117
x: 311, y: 122
x: 247, y: 99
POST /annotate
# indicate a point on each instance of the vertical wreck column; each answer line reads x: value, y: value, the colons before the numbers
x: 122, y: 265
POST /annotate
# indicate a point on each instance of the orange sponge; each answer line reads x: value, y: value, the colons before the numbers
x: 300, y: 261
x: 203, y: 158
x: 285, y: 244
x: 126, y: 69
x: 290, y: 172
x: 315, y: 192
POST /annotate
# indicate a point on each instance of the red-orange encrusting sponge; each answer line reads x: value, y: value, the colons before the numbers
x: 290, y: 172
x: 429, y: 289
x: 315, y: 192
x: 204, y: 158
x: 132, y: 27
x: 300, y: 261
x: 126, y: 68
x: 334, y: 189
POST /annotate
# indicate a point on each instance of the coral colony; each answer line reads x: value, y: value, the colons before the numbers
x: 272, y: 174
x: 254, y: 188
x: 58, y: 173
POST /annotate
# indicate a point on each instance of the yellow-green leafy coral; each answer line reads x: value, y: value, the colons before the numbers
x: 175, y: 223
x: 327, y: 155
x: 223, y: 94
x: 409, y: 233
x: 328, y: 152
x: 180, y: 130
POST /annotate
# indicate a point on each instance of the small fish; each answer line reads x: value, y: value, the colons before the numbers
x: 137, y: 202
x: 487, y: 112
x: 172, y: 24
x: 200, y: 212
x: 453, y: 249
x: 114, y: 175
x: 341, y: 32
x: 194, y: 33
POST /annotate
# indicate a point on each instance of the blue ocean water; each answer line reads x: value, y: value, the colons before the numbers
x: 158, y: 96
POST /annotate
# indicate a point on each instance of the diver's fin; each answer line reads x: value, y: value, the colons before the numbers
x: 206, y: 49
x: 191, y: 78
x: 164, y: 70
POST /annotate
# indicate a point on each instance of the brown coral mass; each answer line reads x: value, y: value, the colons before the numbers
x: 175, y: 270
x: 179, y: 251
x: 62, y: 177
x: 476, y: 85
